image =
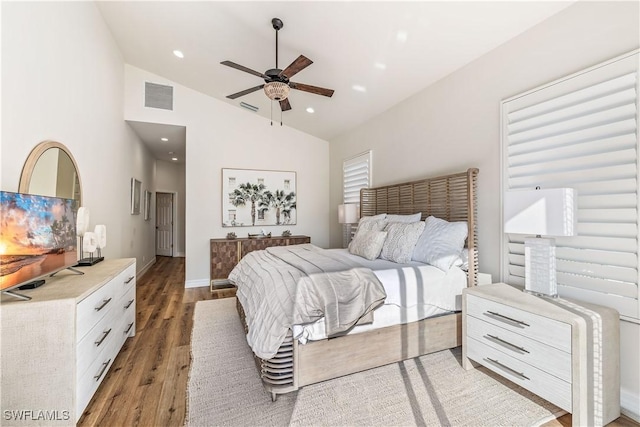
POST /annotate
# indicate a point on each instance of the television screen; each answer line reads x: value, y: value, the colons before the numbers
x: 37, y: 237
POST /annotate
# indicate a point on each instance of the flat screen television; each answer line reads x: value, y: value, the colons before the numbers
x: 37, y: 238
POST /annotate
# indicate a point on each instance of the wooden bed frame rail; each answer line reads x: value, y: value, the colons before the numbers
x: 450, y: 197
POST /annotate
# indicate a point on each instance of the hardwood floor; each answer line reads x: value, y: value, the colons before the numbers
x: 147, y: 383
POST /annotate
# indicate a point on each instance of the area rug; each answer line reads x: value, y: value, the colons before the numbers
x: 225, y: 390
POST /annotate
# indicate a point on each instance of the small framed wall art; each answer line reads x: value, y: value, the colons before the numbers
x: 135, y: 196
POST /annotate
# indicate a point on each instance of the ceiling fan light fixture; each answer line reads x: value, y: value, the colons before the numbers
x: 276, y: 91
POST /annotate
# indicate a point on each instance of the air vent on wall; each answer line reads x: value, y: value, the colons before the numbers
x: 158, y: 96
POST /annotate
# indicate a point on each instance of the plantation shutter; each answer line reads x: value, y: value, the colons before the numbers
x: 356, y: 174
x: 582, y: 132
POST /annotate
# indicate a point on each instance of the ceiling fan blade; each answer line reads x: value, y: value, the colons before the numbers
x: 284, y: 105
x: 311, y: 89
x: 244, y: 92
x: 245, y: 69
x: 296, y: 66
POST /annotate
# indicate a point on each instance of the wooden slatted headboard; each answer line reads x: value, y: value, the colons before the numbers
x: 450, y: 197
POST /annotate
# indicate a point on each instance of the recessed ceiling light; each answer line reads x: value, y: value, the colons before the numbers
x: 310, y: 110
x: 380, y: 66
x: 164, y: 139
x: 174, y: 158
x: 401, y: 36
x: 170, y: 152
x: 359, y: 88
x: 178, y: 53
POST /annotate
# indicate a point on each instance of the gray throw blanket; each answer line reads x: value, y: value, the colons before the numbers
x: 283, y: 286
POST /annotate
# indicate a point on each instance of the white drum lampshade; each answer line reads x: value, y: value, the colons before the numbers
x: 549, y: 212
x: 348, y: 213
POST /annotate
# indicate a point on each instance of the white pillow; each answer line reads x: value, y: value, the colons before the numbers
x: 368, y: 223
x: 405, y: 218
x: 368, y: 244
x: 441, y: 242
x: 401, y: 239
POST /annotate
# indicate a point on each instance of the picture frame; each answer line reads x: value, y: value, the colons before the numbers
x: 136, y: 187
x: 147, y: 205
x: 255, y: 198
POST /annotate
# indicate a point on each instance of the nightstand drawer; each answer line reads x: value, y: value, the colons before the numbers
x: 533, y: 379
x: 548, y: 331
x: 542, y: 356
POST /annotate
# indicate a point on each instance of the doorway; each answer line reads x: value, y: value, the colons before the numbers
x: 164, y: 224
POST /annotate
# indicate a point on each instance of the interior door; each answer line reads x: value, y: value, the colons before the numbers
x: 164, y: 224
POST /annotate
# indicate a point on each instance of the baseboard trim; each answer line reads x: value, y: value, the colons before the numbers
x: 196, y: 283
x: 629, y: 405
x: 180, y: 255
x: 146, y: 268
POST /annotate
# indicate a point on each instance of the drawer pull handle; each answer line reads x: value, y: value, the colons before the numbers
x: 129, y: 328
x: 506, y: 343
x: 503, y: 317
x: 130, y: 279
x: 104, y: 302
x: 129, y: 304
x: 520, y: 374
x: 104, y: 335
x: 105, y: 365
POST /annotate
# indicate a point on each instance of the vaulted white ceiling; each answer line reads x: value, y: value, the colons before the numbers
x: 392, y: 49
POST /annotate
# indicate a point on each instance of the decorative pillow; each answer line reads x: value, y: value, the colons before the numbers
x: 401, y: 239
x: 405, y: 218
x: 368, y: 244
x: 441, y: 242
x: 368, y: 223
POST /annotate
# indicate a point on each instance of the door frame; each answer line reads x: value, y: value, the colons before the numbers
x: 174, y: 227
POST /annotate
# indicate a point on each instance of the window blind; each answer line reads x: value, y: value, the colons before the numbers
x: 582, y: 132
x: 356, y: 174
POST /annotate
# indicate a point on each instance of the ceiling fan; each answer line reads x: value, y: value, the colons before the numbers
x: 277, y: 83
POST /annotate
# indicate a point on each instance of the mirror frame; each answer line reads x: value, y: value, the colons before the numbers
x: 34, y: 156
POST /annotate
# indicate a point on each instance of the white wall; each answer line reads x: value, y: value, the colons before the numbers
x: 62, y: 80
x: 220, y: 136
x: 170, y: 178
x: 455, y: 124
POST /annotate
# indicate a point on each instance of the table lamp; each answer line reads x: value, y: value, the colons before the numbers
x: 548, y: 212
x: 348, y: 214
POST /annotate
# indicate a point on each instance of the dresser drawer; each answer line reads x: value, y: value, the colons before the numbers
x: 542, y: 356
x: 543, y: 329
x: 533, y: 379
x: 88, y: 382
x: 125, y: 280
x: 96, y: 340
x: 91, y: 309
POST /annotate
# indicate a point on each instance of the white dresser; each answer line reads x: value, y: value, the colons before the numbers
x: 563, y: 351
x: 58, y: 347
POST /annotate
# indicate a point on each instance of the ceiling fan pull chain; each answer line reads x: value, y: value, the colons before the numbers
x: 271, y: 103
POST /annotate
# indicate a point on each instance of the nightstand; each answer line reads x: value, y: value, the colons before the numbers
x: 566, y: 352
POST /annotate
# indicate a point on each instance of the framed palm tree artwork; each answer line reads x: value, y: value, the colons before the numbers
x: 258, y: 197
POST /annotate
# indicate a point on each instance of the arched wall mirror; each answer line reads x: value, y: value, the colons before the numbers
x: 51, y: 170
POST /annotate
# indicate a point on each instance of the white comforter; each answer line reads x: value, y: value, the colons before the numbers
x: 414, y: 291
x: 283, y: 286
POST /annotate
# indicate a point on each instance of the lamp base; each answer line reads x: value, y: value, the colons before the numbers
x: 540, y: 266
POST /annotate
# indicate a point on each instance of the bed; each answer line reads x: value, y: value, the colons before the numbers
x: 294, y: 365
